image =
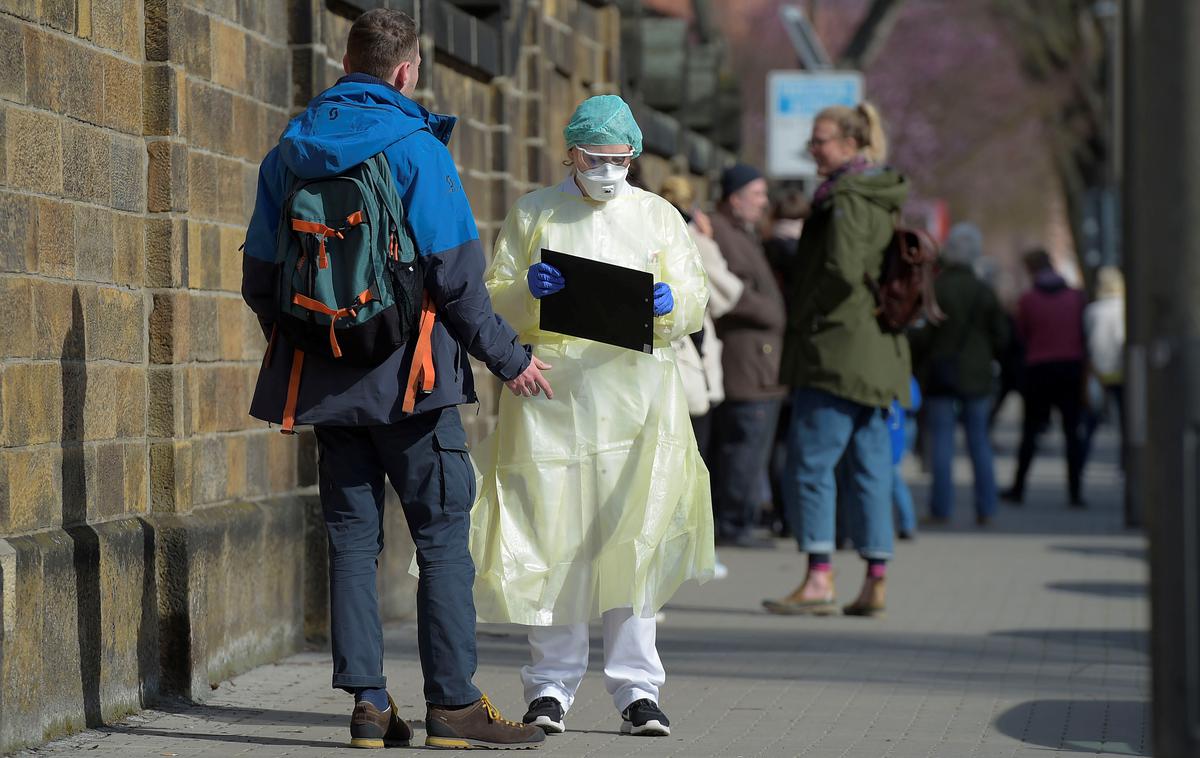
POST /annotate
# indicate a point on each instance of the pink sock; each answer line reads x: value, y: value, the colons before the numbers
x: 877, y: 570
x: 820, y: 567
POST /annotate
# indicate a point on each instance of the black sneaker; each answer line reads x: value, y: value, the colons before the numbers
x: 547, y: 713
x: 644, y: 717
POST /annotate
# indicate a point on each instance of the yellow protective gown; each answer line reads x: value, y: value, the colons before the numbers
x: 597, y: 499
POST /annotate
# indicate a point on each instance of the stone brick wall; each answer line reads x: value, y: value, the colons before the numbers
x: 153, y: 537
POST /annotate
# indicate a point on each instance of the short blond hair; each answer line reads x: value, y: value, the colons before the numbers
x: 678, y: 191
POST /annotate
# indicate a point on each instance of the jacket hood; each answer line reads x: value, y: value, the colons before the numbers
x: 1049, y: 281
x: 351, y: 121
x: 880, y: 184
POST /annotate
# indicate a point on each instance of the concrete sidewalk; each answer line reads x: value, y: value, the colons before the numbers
x: 1027, y: 638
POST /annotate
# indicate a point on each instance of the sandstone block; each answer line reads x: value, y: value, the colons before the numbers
x: 128, y: 174
x: 233, y: 206
x: 168, y: 397
x: 230, y: 238
x: 167, y: 178
x: 164, y: 106
x: 59, y: 14
x: 59, y: 328
x: 33, y: 403
x: 211, y: 124
x: 166, y: 252
x: 169, y: 327
x: 203, y: 193
x: 16, y: 334
x: 34, y: 484
x: 247, y: 129
x: 115, y: 326
x: 204, y: 255
x: 229, y: 56
x: 87, y: 163
x: 33, y: 142
x: 94, y: 251
x: 56, y: 238
x: 26, y: 9
x: 205, y: 343
x: 123, y: 94
x: 129, y: 245
x: 12, y: 60
x: 170, y: 476
x: 115, y: 25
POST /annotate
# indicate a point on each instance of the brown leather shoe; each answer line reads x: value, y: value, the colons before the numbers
x: 796, y: 605
x: 372, y: 728
x: 478, y: 726
x: 871, y: 601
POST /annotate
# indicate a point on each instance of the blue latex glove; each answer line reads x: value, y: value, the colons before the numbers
x: 664, y: 301
x: 544, y: 280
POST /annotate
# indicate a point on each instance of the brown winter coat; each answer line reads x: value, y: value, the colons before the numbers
x: 751, y: 333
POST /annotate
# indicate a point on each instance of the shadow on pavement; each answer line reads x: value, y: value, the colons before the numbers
x: 1093, y: 727
x: 1104, y: 551
x: 914, y: 661
x: 1135, y: 640
x: 1103, y: 589
x: 239, y: 739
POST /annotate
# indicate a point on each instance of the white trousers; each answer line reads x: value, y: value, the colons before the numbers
x: 632, y: 669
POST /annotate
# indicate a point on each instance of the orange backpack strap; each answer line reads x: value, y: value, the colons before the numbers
x: 422, y: 374
x: 293, y: 393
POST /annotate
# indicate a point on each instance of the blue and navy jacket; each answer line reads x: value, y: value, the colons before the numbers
x: 343, y: 126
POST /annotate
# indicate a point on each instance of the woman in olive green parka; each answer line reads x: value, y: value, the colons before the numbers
x: 843, y: 370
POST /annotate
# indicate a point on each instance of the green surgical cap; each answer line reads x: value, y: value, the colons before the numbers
x: 603, y: 120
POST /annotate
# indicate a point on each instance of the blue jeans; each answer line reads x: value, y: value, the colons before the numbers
x: 824, y: 428
x: 425, y: 457
x: 906, y: 516
x: 943, y: 414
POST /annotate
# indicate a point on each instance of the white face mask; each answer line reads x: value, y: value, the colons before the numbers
x: 601, y: 183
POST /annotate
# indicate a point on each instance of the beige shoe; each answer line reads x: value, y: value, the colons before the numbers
x: 871, y: 601
x: 796, y: 604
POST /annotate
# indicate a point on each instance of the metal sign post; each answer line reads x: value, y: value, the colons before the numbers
x: 1162, y: 195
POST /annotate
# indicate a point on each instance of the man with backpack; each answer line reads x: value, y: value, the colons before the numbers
x: 364, y: 266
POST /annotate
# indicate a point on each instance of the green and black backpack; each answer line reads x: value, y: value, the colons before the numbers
x: 349, y: 284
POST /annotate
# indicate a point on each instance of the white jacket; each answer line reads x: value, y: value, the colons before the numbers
x: 1104, y: 325
x: 700, y: 370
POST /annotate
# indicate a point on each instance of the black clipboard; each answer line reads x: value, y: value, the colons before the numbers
x: 601, y: 302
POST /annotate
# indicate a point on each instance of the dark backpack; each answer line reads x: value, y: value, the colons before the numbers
x: 904, y: 290
x: 349, y: 282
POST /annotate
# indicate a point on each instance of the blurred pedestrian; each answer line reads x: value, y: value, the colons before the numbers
x: 1104, y: 325
x: 752, y: 336
x: 1011, y: 362
x: 954, y: 365
x: 844, y: 370
x: 783, y: 239
x: 1050, y: 322
x: 698, y: 355
x: 902, y: 427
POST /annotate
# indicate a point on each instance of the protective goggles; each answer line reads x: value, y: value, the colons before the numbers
x: 588, y: 159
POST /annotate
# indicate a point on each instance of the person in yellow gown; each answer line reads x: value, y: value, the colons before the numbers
x: 593, y: 504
